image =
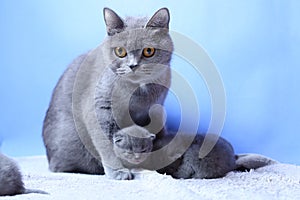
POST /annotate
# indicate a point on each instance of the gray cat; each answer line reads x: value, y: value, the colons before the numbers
x: 134, y: 65
x: 11, y: 179
x: 217, y: 163
x: 133, y: 145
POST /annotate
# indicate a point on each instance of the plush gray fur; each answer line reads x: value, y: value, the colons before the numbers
x: 11, y: 179
x: 141, y: 81
x: 216, y: 164
x: 249, y: 161
x: 133, y: 144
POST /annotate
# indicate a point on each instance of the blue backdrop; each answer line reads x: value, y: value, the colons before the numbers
x: 254, y: 44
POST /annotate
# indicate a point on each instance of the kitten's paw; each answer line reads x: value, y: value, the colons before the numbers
x: 120, y: 174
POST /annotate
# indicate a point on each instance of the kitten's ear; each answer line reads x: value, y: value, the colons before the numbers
x: 160, y: 19
x: 152, y: 136
x: 114, y: 23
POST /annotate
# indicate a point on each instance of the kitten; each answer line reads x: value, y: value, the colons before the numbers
x: 217, y: 163
x: 11, y: 179
x: 134, y: 74
x: 133, y: 145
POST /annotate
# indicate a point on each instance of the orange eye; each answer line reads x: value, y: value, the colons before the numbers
x: 120, y: 52
x: 148, y: 52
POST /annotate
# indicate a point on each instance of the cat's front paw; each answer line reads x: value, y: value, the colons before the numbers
x: 119, y: 174
x: 122, y: 175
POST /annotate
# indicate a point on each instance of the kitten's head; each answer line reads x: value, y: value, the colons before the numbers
x: 139, y: 48
x: 133, y: 144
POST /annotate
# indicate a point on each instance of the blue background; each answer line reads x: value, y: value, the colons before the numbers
x: 254, y: 44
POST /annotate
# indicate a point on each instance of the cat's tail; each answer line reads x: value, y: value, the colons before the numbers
x: 246, y: 162
x: 29, y: 191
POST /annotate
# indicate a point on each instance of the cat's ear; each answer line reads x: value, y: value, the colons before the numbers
x: 114, y: 23
x: 160, y: 19
x: 152, y: 136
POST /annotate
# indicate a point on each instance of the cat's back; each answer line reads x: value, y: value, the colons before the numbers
x: 60, y: 107
x: 64, y: 88
x: 59, y: 131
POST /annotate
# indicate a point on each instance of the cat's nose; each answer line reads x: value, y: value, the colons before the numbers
x: 136, y: 157
x: 133, y: 66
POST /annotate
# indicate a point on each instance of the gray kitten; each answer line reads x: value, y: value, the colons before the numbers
x: 11, y: 179
x: 135, y: 75
x: 217, y: 163
x: 133, y: 145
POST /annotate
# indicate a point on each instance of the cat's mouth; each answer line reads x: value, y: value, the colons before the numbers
x: 136, y: 161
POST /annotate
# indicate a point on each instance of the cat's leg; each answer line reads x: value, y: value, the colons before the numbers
x: 113, y: 166
x: 62, y: 161
x: 252, y: 161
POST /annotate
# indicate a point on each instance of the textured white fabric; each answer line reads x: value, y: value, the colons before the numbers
x: 278, y: 181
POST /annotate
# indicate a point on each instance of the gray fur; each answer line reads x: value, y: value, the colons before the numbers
x: 11, y: 179
x: 133, y: 144
x: 246, y: 162
x: 128, y: 75
x: 65, y: 151
x: 217, y: 163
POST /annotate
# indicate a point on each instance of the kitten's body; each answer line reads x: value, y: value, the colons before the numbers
x: 132, y: 78
x: 217, y: 163
x: 11, y: 179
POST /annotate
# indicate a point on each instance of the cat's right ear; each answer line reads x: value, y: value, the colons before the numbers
x: 160, y: 19
x: 114, y: 23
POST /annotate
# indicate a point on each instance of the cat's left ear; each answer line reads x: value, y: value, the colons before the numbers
x: 114, y: 23
x: 160, y: 19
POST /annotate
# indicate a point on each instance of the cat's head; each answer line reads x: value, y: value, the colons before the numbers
x: 133, y: 144
x: 139, y: 47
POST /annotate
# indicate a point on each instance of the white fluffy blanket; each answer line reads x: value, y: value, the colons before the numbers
x: 279, y: 181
